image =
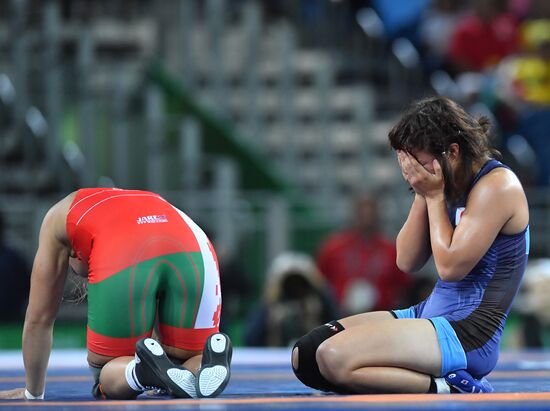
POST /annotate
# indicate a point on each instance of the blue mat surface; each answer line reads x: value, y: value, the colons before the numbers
x: 263, y: 379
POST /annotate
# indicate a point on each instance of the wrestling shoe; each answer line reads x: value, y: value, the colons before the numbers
x: 214, y: 373
x: 463, y: 382
x: 155, y: 371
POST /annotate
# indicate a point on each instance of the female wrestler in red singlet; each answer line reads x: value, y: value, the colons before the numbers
x: 148, y: 264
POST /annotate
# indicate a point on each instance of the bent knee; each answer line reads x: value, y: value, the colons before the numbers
x: 331, y: 363
x: 304, y: 357
x: 113, y: 384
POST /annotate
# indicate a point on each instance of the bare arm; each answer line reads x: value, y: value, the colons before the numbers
x: 413, y: 240
x: 497, y: 203
x: 47, y: 281
x: 492, y: 205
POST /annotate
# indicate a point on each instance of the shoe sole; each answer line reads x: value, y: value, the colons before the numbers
x: 178, y: 382
x: 215, y: 370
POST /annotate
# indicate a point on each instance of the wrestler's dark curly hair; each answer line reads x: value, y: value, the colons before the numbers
x: 432, y: 125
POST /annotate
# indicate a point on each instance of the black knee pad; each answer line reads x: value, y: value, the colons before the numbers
x: 308, y: 369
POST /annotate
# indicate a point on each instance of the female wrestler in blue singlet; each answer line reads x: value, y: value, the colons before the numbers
x: 471, y: 214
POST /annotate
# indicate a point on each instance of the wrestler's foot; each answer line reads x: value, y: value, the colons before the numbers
x: 215, y: 370
x: 97, y: 392
x: 463, y: 382
x: 155, y: 371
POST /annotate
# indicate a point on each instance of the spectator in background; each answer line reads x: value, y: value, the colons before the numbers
x: 400, y: 17
x: 522, y: 90
x: 523, y: 87
x: 295, y: 299
x: 535, y: 27
x: 484, y: 37
x: 14, y: 271
x: 533, y: 304
x: 524, y: 79
x: 359, y: 263
x: 436, y: 29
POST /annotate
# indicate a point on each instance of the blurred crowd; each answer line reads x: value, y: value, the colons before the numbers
x: 493, y: 56
x: 353, y: 271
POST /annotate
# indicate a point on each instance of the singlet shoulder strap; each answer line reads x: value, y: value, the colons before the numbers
x: 487, y: 168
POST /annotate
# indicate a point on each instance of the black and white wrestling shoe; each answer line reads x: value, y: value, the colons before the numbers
x: 154, y: 370
x: 215, y: 370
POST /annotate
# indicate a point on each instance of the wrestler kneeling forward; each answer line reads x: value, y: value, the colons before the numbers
x: 148, y: 266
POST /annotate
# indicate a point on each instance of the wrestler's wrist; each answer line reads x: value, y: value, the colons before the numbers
x: 435, y: 196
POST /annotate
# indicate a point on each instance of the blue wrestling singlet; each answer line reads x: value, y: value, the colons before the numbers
x: 469, y: 315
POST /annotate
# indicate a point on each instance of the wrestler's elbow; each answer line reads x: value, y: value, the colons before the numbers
x: 451, y: 272
x: 408, y: 264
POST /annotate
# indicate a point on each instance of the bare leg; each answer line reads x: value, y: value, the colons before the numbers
x: 113, y: 375
x: 349, y: 322
x: 193, y: 364
x: 189, y: 359
x: 382, y: 356
x: 113, y: 380
x: 390, y: 380
x: 364, y: 318
x: 384, y: 376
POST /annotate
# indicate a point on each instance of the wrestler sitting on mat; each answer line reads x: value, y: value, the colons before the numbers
x: 470, y: 213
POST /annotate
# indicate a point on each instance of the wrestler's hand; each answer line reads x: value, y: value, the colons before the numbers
x: 401, y: 155
x: 15, y: 394
x: 423, y: 182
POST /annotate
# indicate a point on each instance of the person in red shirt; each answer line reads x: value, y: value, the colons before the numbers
x: 148, y: 266
x: 482, y: 39
x: 359, y: 263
